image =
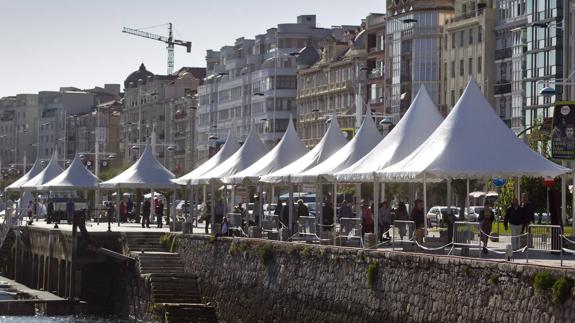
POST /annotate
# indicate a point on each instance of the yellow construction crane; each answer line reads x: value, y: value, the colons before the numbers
x: 168, y: 40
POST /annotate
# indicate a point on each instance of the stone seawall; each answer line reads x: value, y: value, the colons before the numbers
x: 250, y: 280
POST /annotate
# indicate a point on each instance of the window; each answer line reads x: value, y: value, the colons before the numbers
x: 452, y: 97
x: 479, y: 64
x: 453, y: 40
x: 461, y: 68
x: 461, y: 38
x: 470, y: 36
x: 452, y: 68
x: 479, y: 34
x: 470, y: 69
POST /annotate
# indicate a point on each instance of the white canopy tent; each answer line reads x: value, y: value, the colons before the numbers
x: 363, y: 142
x: 418, y: 123
x: 472, y: 143
x: 229, y: 148
x: 252, y: 150
x: 52, y: 170
x: 332, y: 141
x: 75, y: 177
x: 146, y: 173
x: 35, y: 170
x: 285, y: 152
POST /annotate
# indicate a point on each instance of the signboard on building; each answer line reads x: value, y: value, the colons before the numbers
x: 563, y: 132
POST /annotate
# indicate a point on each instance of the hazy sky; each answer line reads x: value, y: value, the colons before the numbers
x: 46, y: 44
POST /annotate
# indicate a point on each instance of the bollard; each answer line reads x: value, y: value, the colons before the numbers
x: 369, y: 240
x: 255, y: 232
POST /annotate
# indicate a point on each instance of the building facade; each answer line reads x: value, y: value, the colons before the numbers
x: 331, y: 81
x: 253, y: 82
x: 18, y: 132
x: 151, y: 104
x: 375, y: 61
x: 544, y: 63
x: 468, y: 52
x: 54, y: 108
x: 413, y: 42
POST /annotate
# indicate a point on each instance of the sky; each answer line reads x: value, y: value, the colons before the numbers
x: 45, y: 45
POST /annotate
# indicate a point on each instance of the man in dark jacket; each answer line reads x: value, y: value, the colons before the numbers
x: 418, y: 217
x: 527, y: 211
x: 146, y: 213
x: 514, y: 217
x: 327, y: 216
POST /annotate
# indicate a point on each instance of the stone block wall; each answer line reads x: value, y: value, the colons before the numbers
x: 251, y: 280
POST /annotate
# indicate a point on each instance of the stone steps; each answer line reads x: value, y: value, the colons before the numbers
x: 197, y: 313
x: 146, y: 241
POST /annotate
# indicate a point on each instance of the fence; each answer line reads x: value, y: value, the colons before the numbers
x: 402, y: 231
x: 466, y: 234
x: 545, y: 238
x: 350, y: 229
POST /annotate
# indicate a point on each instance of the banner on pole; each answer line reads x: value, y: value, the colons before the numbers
x: 563, y: 133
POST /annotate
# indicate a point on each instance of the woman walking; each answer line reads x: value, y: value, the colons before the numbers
x: 485, y: 219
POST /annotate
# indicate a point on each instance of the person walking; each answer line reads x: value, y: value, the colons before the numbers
x: 159, y: 212
x: 366, y: 218
x: 279, y: 213
x: 384, y: 220
x: 130, y: 208
x: 327, y: 216
x: 123, y: 216
x: 110, y: 212
x: 207, y: 216
x: 514, y: 218
x: 146, y: 208
x: 527, y: 212
x: 401, y: 215
x: 418, y: 218
x: 69, y: 210
x: 219, y: 210
x: 300, y: 210
x: 345, y: 210
x: 485, y: 219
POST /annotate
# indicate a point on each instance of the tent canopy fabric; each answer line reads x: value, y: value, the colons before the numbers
x: 252, y: 150
x: 285, y: 152
x: 228, y: 149
x: 419, y: 122
x: 52, y: 170
x: 76, y: 177
x: 146, y: 173
x: 472, y: 143
x: 332, y: 141
x: 35, y: 170
x: 363, y: 142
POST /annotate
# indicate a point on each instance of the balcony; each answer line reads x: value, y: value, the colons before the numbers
x: 502, y: 88
x: 503, y: 53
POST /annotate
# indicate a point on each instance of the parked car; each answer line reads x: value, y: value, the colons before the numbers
x: 437, y: 214
x: 472, y: 213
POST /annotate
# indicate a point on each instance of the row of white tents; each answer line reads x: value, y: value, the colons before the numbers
x: 471, y: 143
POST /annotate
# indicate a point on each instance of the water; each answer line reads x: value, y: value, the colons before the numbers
x: 60, y: 319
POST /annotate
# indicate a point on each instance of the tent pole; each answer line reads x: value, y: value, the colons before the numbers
x: 191, y: 208
x: 358, y: 198
x: 319, y: 202
x: 173, y: 209
x: 273, y: 193
x: 467, y: 197
x: 376, y: 209
x: 118, y: 192
x: 260, y: 204
x: 573, y: 206
x: 449, y: 212
x: 334, y: 210
x: 213, y: 208
x: 290, y: 207
x: 382, y: 192
x: 424, y: 207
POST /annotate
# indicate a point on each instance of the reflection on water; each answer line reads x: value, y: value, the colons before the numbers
x: 60, y: 319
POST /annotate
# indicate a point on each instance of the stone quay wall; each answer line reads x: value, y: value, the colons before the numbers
x: 252, y: 280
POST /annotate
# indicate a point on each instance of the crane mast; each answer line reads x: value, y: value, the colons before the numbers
x: 170, y: 41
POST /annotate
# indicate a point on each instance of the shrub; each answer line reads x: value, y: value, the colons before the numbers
x: 165, y: 241
x: 371, y: 274
x: 543, y: 281
x: 561, y: 290
x: 305, y: 251
x: 467, y: 270
x: 264, y: 252
x: 233, y: 250
x: 361, y: 256
x: 494, y: 279
x: 243, y: 246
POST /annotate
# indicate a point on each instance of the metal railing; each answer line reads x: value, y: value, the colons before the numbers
x: 350, y: 229
x: 466, y: 234
x: 545, y: 238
